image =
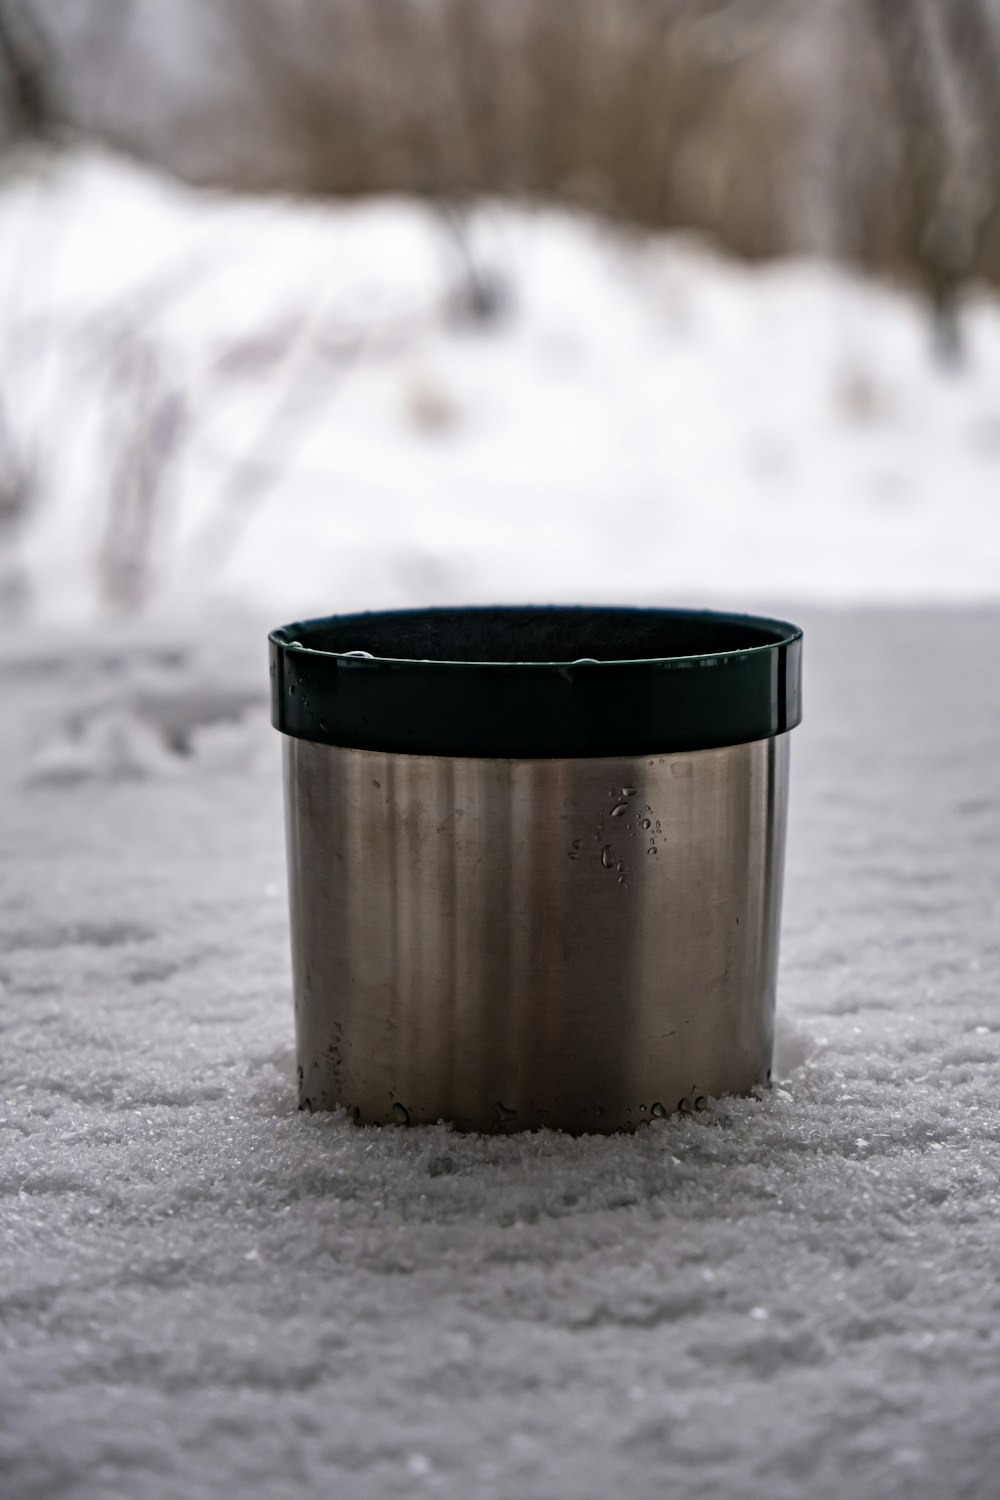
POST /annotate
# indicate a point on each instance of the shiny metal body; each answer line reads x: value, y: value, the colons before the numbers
x: 582, y: 944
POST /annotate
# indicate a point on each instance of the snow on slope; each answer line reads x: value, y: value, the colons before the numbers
x: 648, y: 421
x: 204, y: 1293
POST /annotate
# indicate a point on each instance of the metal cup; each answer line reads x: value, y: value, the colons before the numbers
x: 528, y: 889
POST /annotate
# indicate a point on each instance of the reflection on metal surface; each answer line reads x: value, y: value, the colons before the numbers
x: 506, y: 944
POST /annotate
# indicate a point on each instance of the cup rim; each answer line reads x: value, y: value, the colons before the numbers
x: 742, y: 684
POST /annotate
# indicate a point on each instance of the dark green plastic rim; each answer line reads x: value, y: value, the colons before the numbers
x: 730, y: 679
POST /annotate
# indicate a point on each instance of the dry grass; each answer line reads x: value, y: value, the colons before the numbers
x: 623, y: 105
x: 695, y: 113
x: 869, y: 128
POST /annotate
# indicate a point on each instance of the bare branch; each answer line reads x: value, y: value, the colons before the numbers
x: 25, y: 80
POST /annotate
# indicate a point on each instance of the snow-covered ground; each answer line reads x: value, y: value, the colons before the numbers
x: 204, y: 1293
x: 285, y: 394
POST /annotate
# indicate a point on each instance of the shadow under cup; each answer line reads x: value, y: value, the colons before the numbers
x: 535, y: 859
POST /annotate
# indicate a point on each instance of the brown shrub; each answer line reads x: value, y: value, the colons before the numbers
x: 868, y: 128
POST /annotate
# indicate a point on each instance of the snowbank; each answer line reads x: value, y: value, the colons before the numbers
x: 203, y: 1292
x: 279, y: 404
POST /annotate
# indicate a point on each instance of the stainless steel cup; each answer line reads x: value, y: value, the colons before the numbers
x: 535, y: 860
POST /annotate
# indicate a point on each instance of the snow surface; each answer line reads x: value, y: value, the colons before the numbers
x: 314, y: 425
x: 206, y: 1293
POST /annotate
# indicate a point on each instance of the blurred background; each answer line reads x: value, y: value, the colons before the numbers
x: 309, y: 305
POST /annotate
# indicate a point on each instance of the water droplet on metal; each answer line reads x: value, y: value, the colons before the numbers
x: 365, y: 654
x: 293, y: 643
x: 642, y: 1109
x: 622, y: 807
x: 619, y: 867
x: 400, y: 1113
x: 584, y: 661
x: 651, y: 849
x: 658, y: 1111
x: 503, y: 1113
x: 645, y: 822
x: 628, y: 791
x: 607, y: 858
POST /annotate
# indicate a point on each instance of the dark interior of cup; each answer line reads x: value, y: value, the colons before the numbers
x: 541, y: 634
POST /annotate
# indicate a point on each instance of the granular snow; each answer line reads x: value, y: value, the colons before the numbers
x: 205, y: 1293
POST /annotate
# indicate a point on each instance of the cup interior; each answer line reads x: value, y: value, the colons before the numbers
x: 541, y: 634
